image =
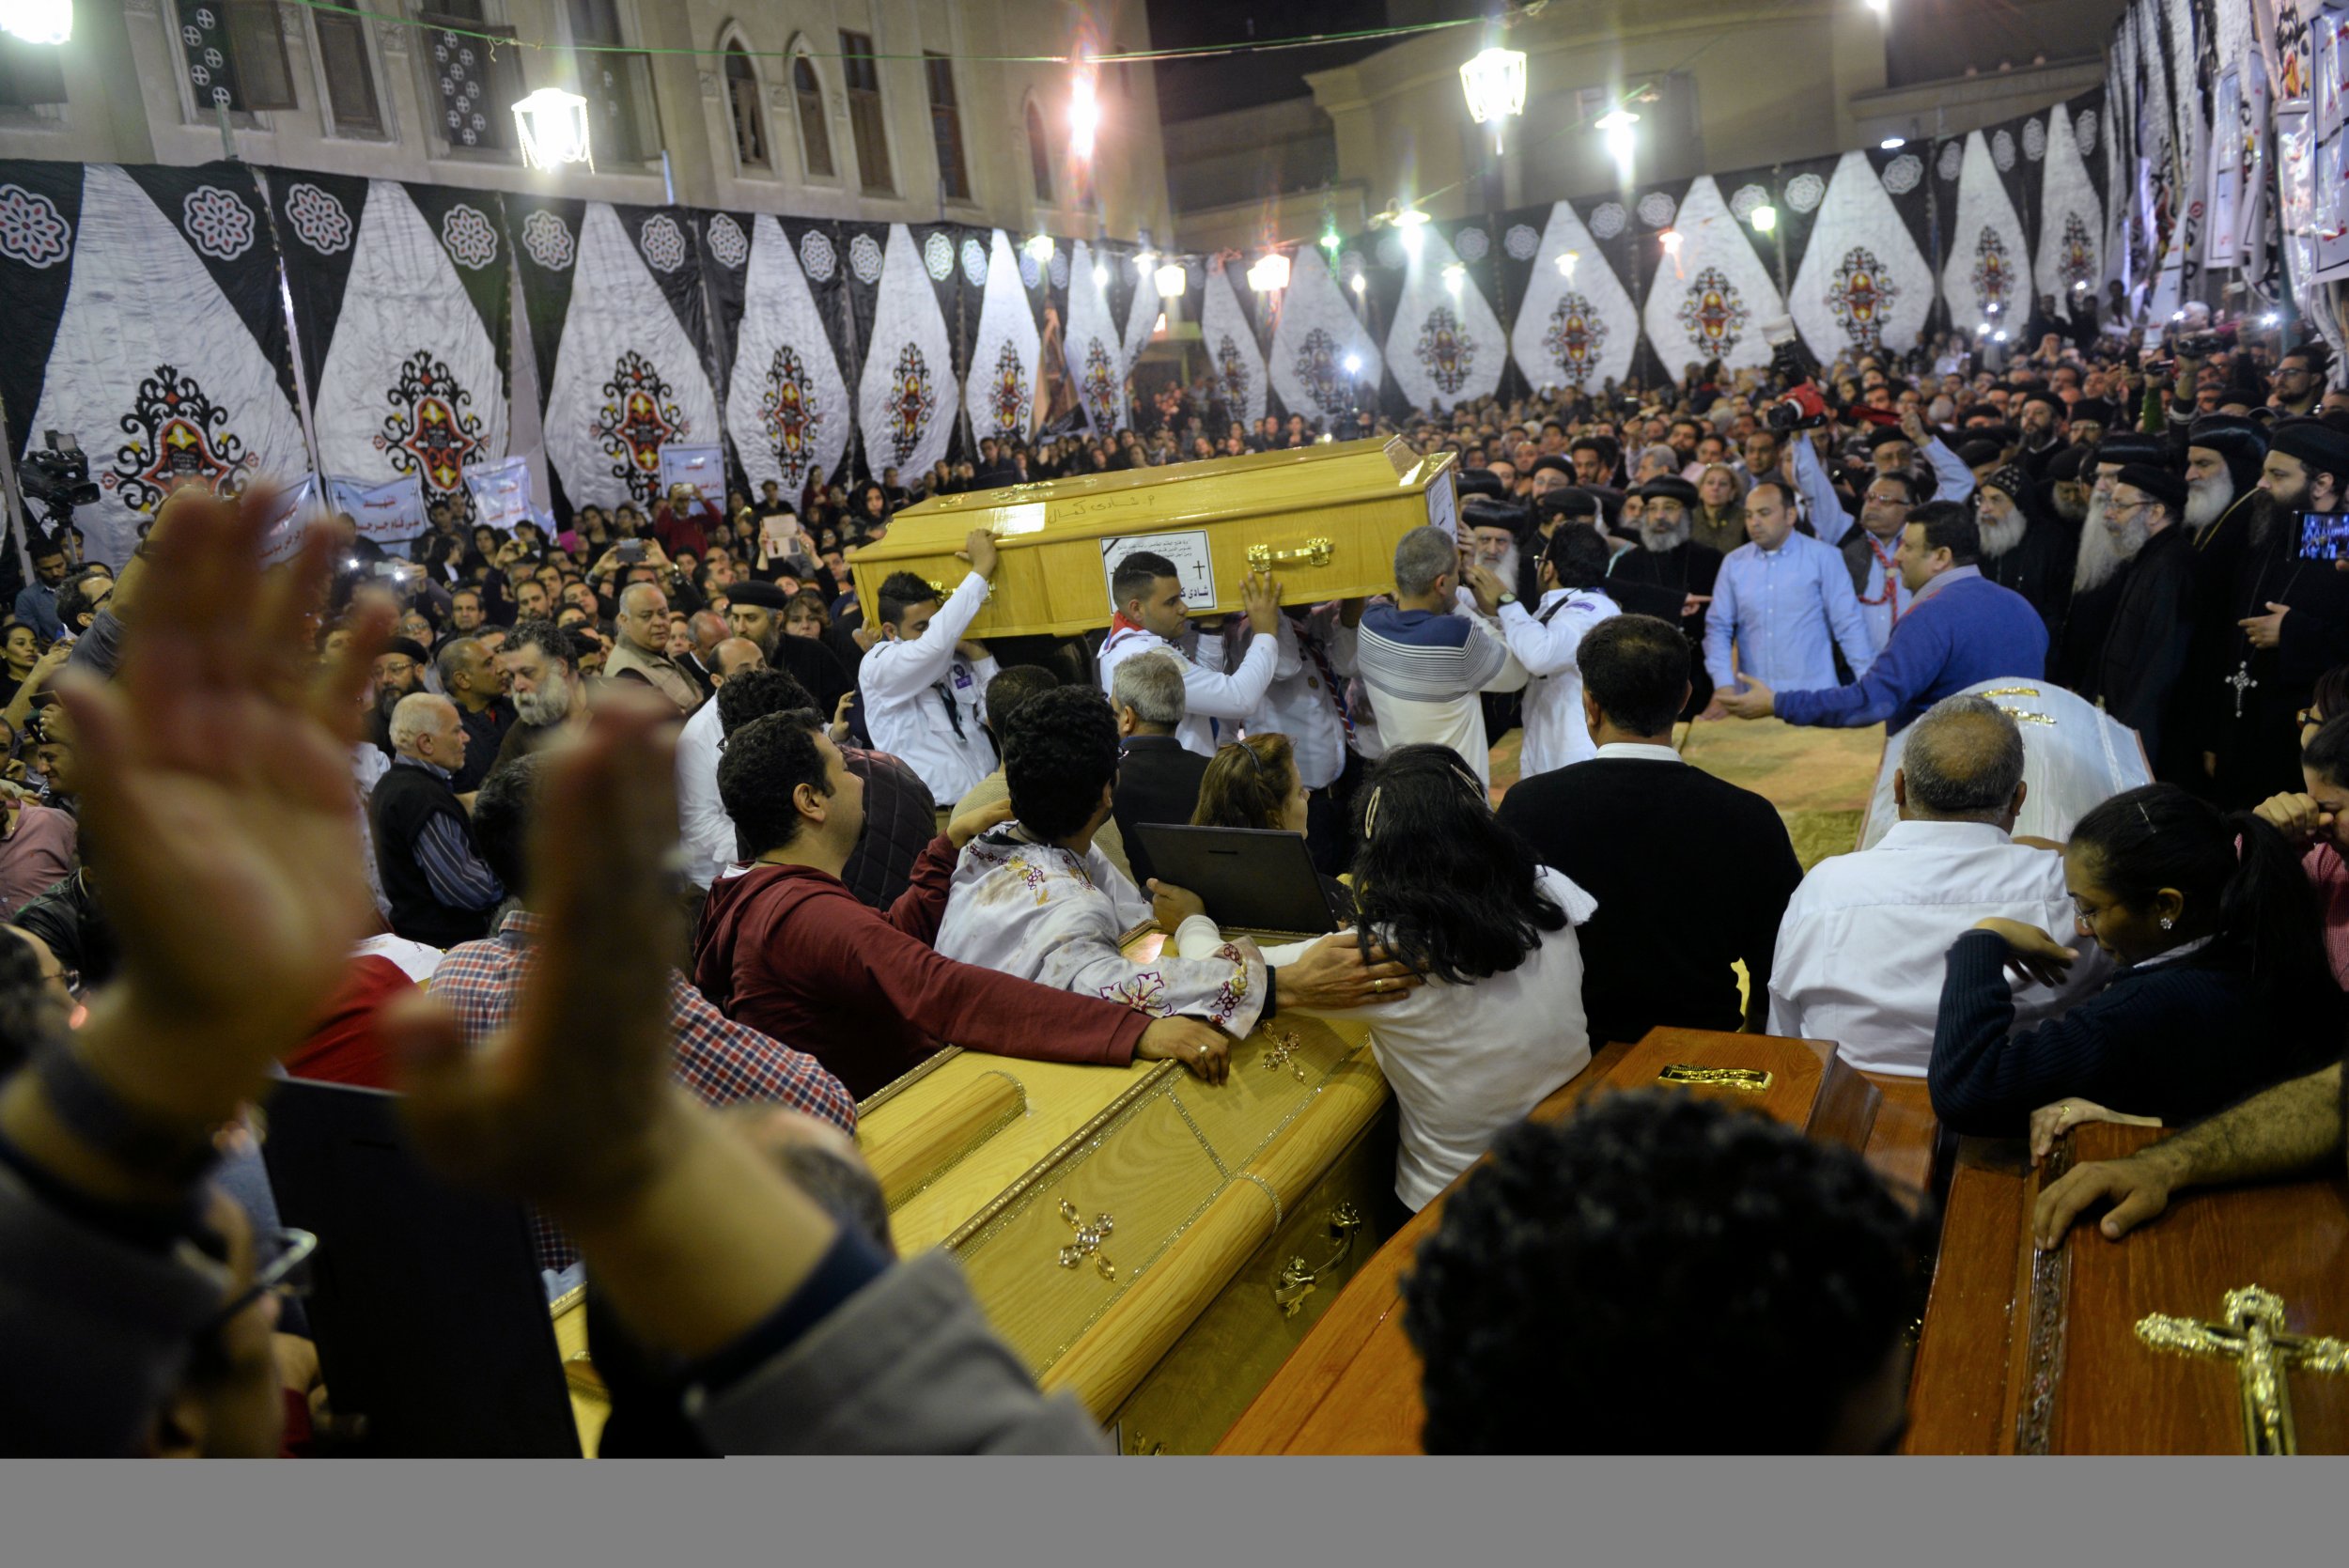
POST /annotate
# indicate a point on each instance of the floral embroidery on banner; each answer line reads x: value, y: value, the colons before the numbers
x: 1008, y: 398
x: 1317, y: 368
x: 431, y: 430
x: 32, y: 230
x: 789, y: 412
x: 912, y: 400
x: 1861, y: 293
x: 548, y: 240
x: 217, y: 221
x: 471, y: 238
x: 319, y: 218
x: 663, y: 246
x: 1713, y: 315
x: 639, y: 415
x: 1574, y: 337
x: 1445, y: 350
x: 726, y: 242
x: 179, y: 436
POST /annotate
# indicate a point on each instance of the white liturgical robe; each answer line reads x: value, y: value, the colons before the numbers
x: 1047, y: 915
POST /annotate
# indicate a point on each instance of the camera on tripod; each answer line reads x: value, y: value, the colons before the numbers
x: 57, y: 476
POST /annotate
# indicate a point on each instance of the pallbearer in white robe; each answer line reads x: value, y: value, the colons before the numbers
x: 1054, y: 916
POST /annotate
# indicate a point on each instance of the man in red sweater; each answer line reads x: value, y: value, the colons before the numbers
x: 683, y: 521
x: 785, y: 948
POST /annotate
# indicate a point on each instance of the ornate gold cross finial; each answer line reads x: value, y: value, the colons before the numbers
x: 1089, y: 1239
x: 2252, y: 1337
x: 1284, y: 1045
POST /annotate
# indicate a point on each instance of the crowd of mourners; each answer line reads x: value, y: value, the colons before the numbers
x: 635, y: 847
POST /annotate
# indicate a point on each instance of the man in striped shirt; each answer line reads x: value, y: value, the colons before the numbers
x: 1426, y: 663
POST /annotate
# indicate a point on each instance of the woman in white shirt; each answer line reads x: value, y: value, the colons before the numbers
x: 1445, y: 888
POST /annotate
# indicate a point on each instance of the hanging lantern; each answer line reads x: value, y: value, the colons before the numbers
x: 552, y: 127
x: 1171, y: 281
x: 1270, y: 275
x: 1495, y: 84
x: 1764, y: 218
x: 45, y: 22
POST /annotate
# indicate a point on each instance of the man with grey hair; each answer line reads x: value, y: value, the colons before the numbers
x: 440, y: 888
x: 1425, y: 663
x: 1158, y: 776
x: 642, y: 651
x: 1860, y: 950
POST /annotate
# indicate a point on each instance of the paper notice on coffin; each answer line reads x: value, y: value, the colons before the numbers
x: 388, y: 514
x: 1194, y: 567
x: 501, y: 493
x: 702, y: 466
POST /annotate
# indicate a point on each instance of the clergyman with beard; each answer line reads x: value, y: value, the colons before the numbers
x: 2152, y: 622
x: 398, y: 672
x: 2289, y: 618
x: 2228, y: 516
x: 2025, y: 546
x: 1669, y: 575
x: 540, y: 664
x: 2100, y: 567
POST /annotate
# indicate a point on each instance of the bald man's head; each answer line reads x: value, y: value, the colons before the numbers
x: 1962, y: 762
x: 710, y: 628
x: 733, y: 655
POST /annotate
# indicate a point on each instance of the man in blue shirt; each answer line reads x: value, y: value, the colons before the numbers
x: 1963, y: 628
x: 1779, y: 599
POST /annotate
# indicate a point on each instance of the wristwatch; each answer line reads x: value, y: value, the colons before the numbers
x: 1508, y: 600
x: 97, y: 1115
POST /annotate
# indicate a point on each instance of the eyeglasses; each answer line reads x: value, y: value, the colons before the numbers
x: 286, y: 1273
x: 70, y: 979
x: 2306, y: 717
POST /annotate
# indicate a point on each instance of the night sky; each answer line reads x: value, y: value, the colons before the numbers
x: 1187, y: 88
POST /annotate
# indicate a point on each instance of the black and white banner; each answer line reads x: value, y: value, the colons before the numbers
x: 1235, y: 365
x: 1445, y: 346
x: 1863, y: 285
x: 400, y: 295
x: 1003, y: 393
x: 1576, y: 326
x: 907, y: 395
x: 617, y: 290
x: 1987, y: 278
x: 787, y: 406
x: 1095, y: 346
x: 144, y: 321
x: 1711, y: 292
x: 1324, y: 361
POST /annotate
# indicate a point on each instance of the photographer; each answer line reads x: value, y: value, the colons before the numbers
x: 37, y: 601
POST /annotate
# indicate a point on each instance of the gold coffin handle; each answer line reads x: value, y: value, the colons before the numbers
x: 1312, y: 553
x: 1752, y: 1080
x: 1297, y: 1280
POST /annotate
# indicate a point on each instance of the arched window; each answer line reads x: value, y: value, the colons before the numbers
x: 1039, y: 155
x: 750, y: 126
x: 814, y: 133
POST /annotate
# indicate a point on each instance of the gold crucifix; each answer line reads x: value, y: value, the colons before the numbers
x: 2252, y: 1337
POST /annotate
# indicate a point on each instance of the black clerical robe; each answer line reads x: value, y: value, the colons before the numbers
x: 1659, y: 582
x: 2075, y: 661
x: 2040, y: 569
x: 2145, y: 650
x: 2253, y: 695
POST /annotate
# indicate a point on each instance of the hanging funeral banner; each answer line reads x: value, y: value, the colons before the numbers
x: 402, y: 298
x: 2071, y: 222
x: 1445, y: 346
x: 1324, y: 362
x: 1987, y: 277
x: 619, y: 298
x: 1095, y: 345
x: 1863, y: 285
x: 1708, y: 301
x: 907, y: 392
x: 787, y: 405
x: 1003, y: 395
x: 144, y: 321
x: 1236, y: 369
x: 1576, y: 325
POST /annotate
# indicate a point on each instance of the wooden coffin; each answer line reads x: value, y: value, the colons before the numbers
x: 1237, y: 1213
x: 1324, y: 519
x: 1353, y: 1387
x: 2031, y: 1352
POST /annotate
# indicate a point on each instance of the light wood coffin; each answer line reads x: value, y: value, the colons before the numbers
x: 1324, y: 519
x: 2070, y: 1351
x: 1236, y: 1214
x: 1353, y: 1387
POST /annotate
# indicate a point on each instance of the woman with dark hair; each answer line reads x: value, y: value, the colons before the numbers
x: 1255, y: 784
x: 2224, y: 987
x: 1448, y: 891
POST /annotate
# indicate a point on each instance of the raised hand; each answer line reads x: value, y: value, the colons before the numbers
x: 217, y: 768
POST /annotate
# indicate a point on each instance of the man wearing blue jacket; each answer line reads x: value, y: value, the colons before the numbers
x: 1962, y: 628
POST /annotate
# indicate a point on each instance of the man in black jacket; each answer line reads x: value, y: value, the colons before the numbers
x: 1677, y: 909
x: 1671, y: 575
x: 1157, y: 777
x: 2152, y: 623
x: 440, y: 890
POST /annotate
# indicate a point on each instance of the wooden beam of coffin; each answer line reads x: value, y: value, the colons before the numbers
x: 2031, y: 1352
x: 1324, y: 519
x: 1353, y: 1385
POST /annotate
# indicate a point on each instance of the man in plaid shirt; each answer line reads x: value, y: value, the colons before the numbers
x: 720, y: 1062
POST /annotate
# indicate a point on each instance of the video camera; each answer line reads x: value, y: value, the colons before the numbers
x: 1802, y: 408
x: 57, y: 476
